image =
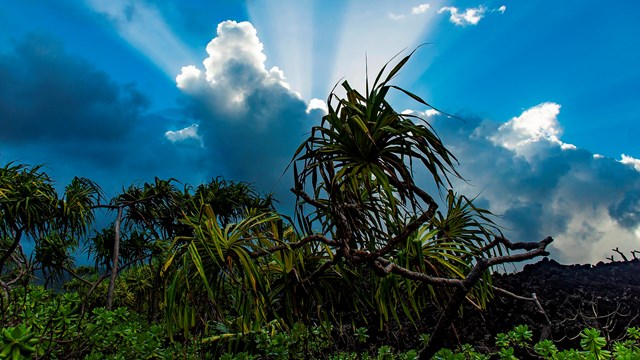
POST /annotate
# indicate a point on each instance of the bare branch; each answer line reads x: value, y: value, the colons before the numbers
x: 533, y: 250
x: 384, y: 267
x: 482, y: 265
x: 533, y: 298
x: 624, y: 258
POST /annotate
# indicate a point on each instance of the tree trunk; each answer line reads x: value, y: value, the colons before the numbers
x: 11, y: 249
x: 116, y: 255
x: 451, y: 310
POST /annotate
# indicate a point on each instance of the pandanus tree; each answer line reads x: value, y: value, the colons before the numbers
x: 27, y: 205
x: 354, y: 179
x: 31, y: 209
x: 368, y: 231
x: 210, y: 272
x: 150, y: 213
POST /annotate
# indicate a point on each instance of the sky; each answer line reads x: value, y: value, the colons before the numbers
x: 122, y: 91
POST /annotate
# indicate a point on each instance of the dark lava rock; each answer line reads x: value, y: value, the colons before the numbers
x: 604, y: 296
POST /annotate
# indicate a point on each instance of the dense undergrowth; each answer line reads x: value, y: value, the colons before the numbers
x: 47, y: 324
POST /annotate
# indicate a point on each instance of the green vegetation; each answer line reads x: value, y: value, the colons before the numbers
x: 517, y: 343
x: 215, y: 272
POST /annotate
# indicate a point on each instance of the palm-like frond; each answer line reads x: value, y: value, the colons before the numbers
x: 77, y: 207
x: 27, y: 200
x: 356, y: 173
x: 217, y: 260
x: 364, y: 147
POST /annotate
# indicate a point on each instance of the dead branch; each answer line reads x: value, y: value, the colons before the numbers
x: 383, y: 267
x: 624, y: 258
x: 533, y: 298
x: 482, y: 264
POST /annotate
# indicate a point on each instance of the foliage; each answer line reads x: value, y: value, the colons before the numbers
x: 18, y: 342
x: 593, y: 347
x: 368, y: 246
x: 31, y: 208
x: 45, y: 324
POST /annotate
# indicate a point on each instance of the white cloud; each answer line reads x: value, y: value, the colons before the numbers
x: 588, y: 203
x: 416, y: 10
x: 187, y: 133
x: 234, y: 70
x: 502, y: 9
x: 628, y: 160
x: 535, y: 127
x: 248, y: 118
x: 188, y: 77
x: 470, y: 16
x: 430, y: 113
x: 590, y: 235
x: 317, y: 104
x: 420, y: 9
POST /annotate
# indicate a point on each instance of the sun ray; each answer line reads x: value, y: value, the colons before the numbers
x: 143, y: 27
x: 318, y: 43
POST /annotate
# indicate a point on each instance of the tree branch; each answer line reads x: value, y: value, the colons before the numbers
x: 384, y: 267
x: 624, y: 258
x: 308, y: 199
x: 482, y: 265
x: 11, y: 248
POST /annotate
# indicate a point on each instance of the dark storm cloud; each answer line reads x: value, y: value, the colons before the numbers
x: 59, y: 110
x: 47, y: 95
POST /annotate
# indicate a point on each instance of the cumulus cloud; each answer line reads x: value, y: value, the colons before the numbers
x: 470, y: 16
x: 536, y: 125
x: 633, y: 162
x: 522, y: 171
x: 248, y: 117
x: 317, y: 104
x: 186, y: 134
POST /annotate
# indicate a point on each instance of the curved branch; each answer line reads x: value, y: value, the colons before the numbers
x: 11, y: 248
x: 384, y: 267
x: 533, y: 250
x: 482, y: 265
x: 308, y: 199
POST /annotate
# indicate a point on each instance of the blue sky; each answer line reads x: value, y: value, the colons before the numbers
x: 121, y: 91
